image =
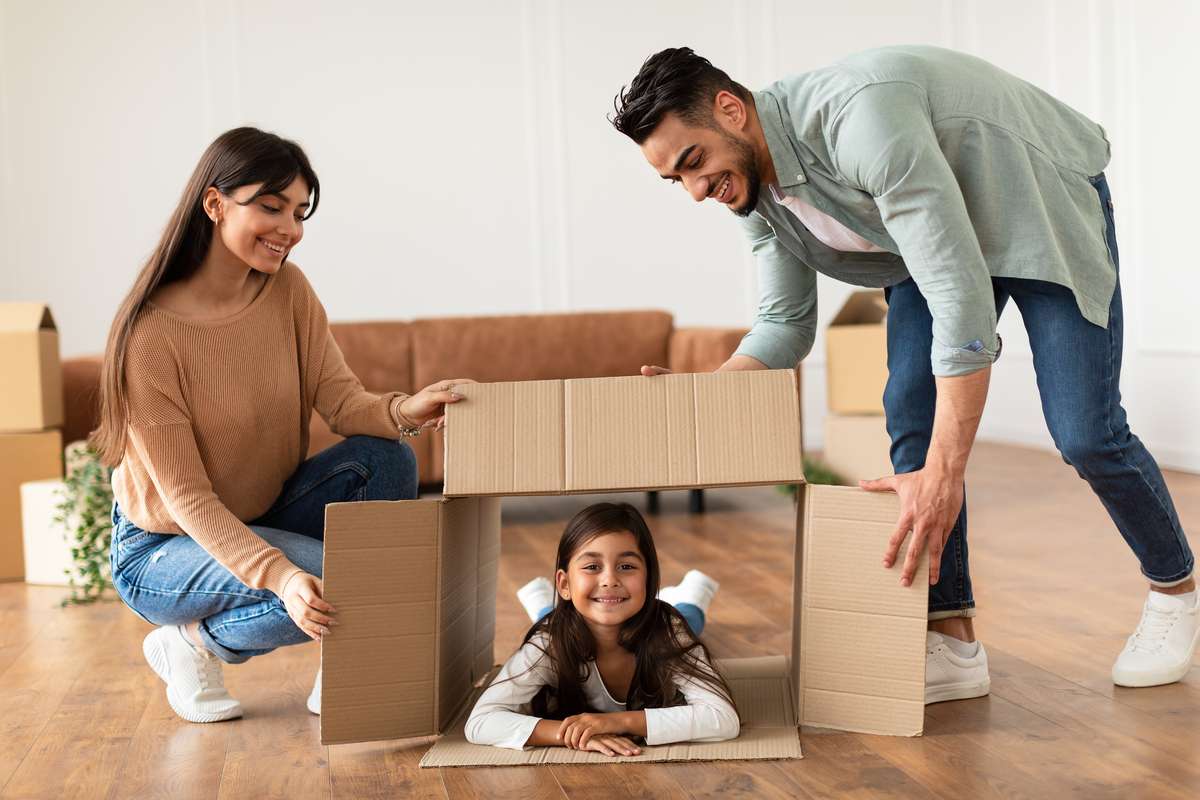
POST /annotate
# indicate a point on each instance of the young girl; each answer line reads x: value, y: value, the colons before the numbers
x: 610, y: 664
x: 215, y: 362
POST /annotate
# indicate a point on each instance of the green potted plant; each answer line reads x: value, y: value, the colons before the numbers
x: 85, y: 512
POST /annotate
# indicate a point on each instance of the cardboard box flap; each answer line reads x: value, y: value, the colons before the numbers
x: 414, y: 584
x: 25, y: 317
x: 612, y: 434
x: 842, y: 587
x: 862, y: 308
x: 760, y: 690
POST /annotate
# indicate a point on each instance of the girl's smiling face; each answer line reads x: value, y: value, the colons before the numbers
x: 605, y: 579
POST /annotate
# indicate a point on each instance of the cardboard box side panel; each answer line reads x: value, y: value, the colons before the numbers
x: 460, y: 599
x: 859, y: 714
x: 479, y: 440
x: 51, y: 411
x: 617, y: 432
x: 856, y: 368
x: 489, y: 566
x: 857, y: 447
x: 847, y: 548
x: 20, y: 401
x: 23, y: 457
x: 796, y: 661
x: 538, y: 435
x: 749, y: 425
x: 379, y: 670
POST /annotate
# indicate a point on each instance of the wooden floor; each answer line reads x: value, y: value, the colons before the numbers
x: 81, y: 715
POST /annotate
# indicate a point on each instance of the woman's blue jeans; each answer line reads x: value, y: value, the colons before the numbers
x: 1078, y: 367
x: 171, y: 580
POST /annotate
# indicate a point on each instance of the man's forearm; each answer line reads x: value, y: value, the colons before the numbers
x: 960, y: 402
x: 738, y: 362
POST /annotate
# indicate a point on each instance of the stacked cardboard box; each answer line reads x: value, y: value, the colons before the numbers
x: 31, y: 416
x: 414, y: 581
x: 857, y: 446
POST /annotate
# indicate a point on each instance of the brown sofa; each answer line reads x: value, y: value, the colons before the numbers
x: 407, y: 356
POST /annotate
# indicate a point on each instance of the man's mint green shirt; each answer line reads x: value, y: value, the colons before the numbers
x: 959, y: 170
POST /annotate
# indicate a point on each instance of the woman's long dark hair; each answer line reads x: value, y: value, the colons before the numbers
x: 657, y: 635
x: 239, y: 157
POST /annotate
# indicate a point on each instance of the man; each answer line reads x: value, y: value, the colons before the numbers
x: 955, y: 186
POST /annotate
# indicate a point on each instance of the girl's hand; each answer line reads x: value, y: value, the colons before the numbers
x: 429, y: 404
x: 306, y: 607
x: 575, y: 732
x: 612, y: 745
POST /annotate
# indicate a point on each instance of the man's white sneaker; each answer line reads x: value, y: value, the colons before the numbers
x: 954, y: 670
x: 314, y: 697
x: 1161, y: 649
x: 195, y: 684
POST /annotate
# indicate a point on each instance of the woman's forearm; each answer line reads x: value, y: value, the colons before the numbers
x: 545, y: 734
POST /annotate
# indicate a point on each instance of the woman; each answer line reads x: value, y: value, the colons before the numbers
x: 215, y: 362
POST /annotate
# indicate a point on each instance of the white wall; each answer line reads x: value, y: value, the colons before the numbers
x: 467, y: 166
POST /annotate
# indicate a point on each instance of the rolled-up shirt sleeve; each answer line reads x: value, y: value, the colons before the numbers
x: 501, y: 716
x: 883, y: 142
x: 786, y: 323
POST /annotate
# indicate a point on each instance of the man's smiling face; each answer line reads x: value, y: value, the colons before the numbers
x: 709, y: 161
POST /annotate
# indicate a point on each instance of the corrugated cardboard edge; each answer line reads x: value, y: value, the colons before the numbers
x: 754, y: 743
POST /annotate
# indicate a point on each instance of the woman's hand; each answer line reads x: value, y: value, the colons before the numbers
x: 649, y: 370
x: 429, y: 404
x: 612, y: 745
x: 577, y: 730
x: 306, y: 607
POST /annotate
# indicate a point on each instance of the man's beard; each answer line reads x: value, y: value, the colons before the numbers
x: 749, y: 169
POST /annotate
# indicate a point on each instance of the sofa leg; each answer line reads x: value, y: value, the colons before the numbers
x: 651, y: 502
x: 696, y: 501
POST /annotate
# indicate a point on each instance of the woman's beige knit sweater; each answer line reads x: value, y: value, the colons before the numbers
x: 218, y: 419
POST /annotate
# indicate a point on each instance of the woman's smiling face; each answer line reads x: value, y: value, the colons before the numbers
x: 260, y: 231
x: 606, y: 579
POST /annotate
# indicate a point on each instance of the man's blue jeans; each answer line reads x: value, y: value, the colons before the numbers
x: 171, y: 580
x: 1078, y: 367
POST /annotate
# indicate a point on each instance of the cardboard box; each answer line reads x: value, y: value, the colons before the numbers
x: 31, y: 399
x: 23, y: 457
x: 856, y: 355
x: 857, y: 448
x: 386, y: 564
x: 47, y: 554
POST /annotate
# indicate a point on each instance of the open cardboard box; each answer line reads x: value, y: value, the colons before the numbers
x: 856, y: 368
x: 414, y: 581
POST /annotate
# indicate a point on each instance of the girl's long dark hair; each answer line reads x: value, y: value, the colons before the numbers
x: 238, y: 157
x: 663, y: 644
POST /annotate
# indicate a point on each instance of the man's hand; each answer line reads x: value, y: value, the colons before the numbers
x: 306, y: 607
x: 930, y: 501
x: 932, y: 497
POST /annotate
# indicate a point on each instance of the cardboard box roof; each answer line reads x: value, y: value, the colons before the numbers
x: 31, y: 399
x: 856, y: 355
x: 406, y: 575
x: 604, y: 434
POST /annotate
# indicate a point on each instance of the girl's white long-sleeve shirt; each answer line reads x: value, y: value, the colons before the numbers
x: 501, y: 715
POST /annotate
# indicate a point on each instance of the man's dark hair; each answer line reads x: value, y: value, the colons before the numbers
x: 672, y: 81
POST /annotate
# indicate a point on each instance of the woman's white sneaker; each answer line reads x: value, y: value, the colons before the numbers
x: 195, y: 683
x: 1161, y: 649
x: 954, y: 670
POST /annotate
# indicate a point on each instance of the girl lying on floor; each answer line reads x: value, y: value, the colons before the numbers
x: 612, y: 662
